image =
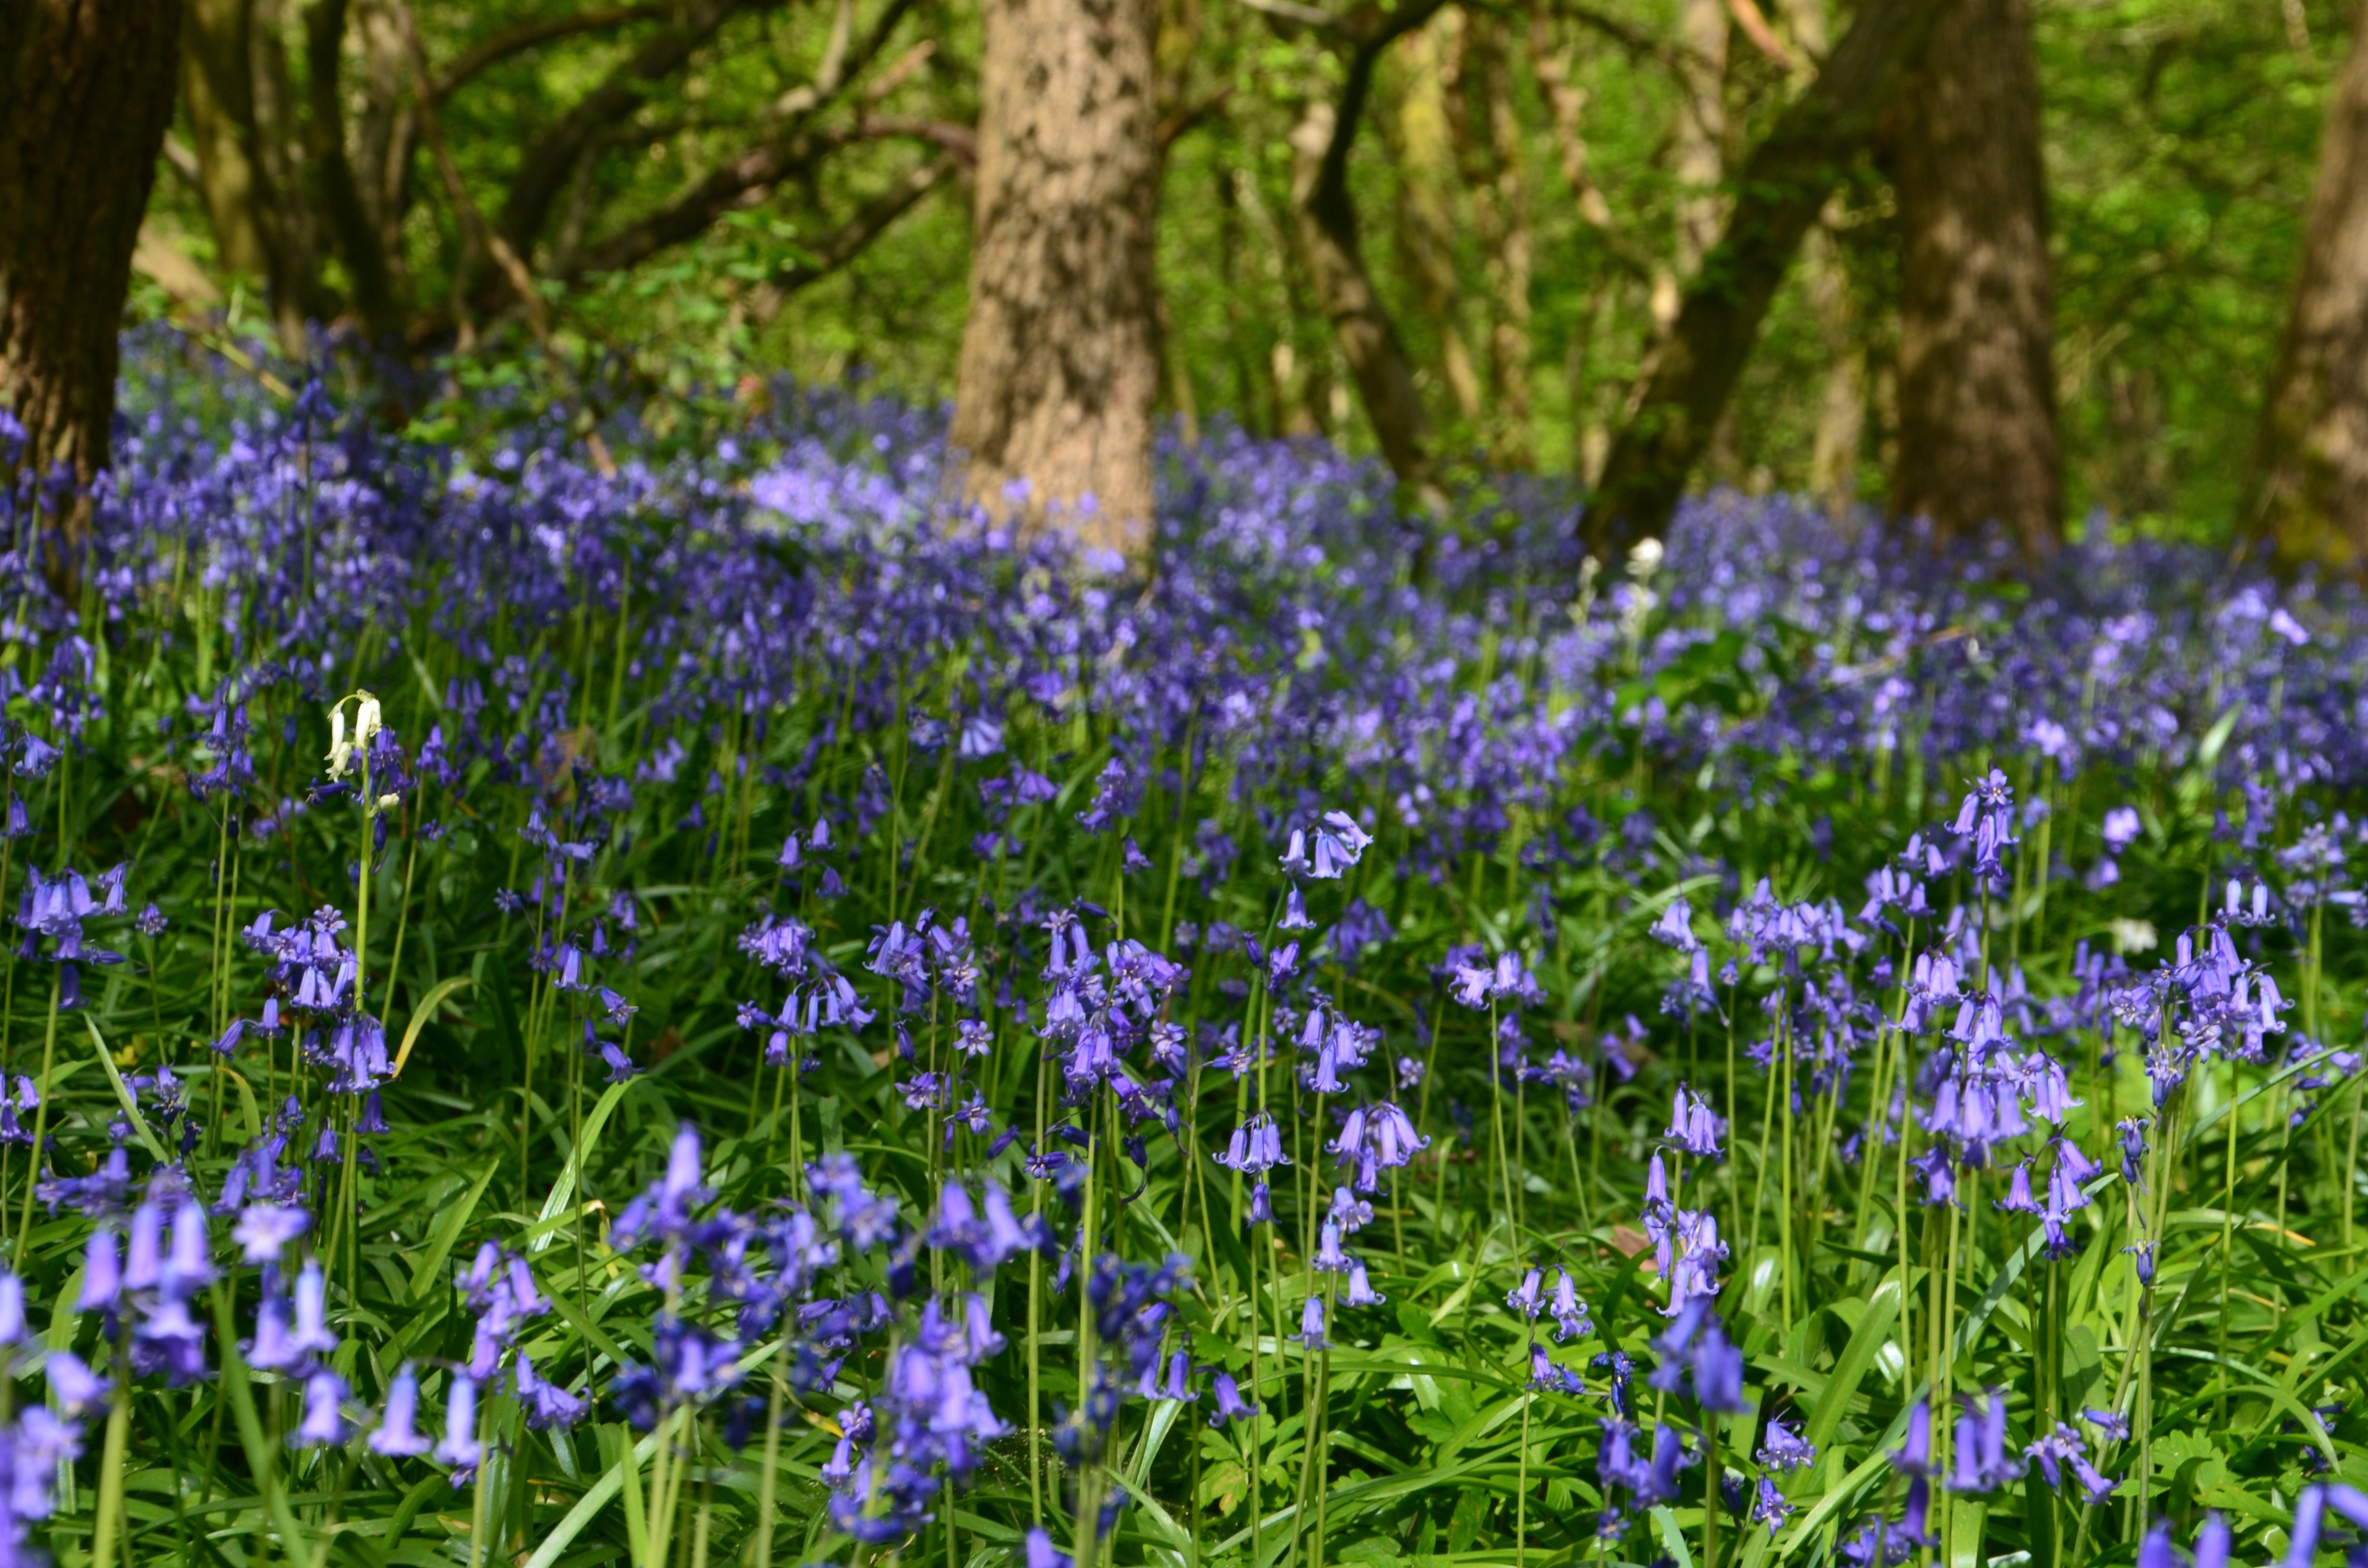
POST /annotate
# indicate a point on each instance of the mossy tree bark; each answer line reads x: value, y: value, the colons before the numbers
x: 1778, y: 193
x: 2309, y: 489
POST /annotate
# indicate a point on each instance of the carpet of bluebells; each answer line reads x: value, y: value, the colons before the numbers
x: 588, y: 996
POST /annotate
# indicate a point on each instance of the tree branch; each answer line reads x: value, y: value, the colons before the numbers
x: 543, y: 174
x: 1181, y: 121
x: 746, y: 178
x: 1754, y: 24
x: 1633, y: 40
x: 1299, y: 15
x: 851, y: 238
x: 1328, y: 202
x: 491, y: 52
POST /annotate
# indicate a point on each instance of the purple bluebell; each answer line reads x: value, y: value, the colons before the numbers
x: 397, y: 1434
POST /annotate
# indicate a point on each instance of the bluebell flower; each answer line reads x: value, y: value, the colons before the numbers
x: 2111, y: 1424
x: 2061, y: 1450
x: 1770, y: 1508
x: 1693, y: 1127
x: 459, y: 1448
x: 102, y: 1273
x: 1545, y: 1376
x: 547, y: 1405
x: 2018, y: 1199
x: 265, y: 1229
x: 1037, y: 1550
x: 1229, y: 1405
x: 1982, y: 1465
x: 1675, y: 928
x: 1914, y: 1456
x: 324, y: 1424
x: 1310, y: 1324
x: 1785, y: 1450
x: 2213, y: 1543
x: 77, y: 1388
x: 1254, y: 1148
x: 397, y: 1435
x: 1569, y: 1312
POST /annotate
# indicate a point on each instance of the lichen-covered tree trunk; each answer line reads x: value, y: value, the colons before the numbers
x: 1700, y: 159
x: 1060, y: 358
x: 1977, y: 440
x: 1777, y: 194
x: 85, y: 91
x: 1422, y: 145
x: 1504, y: 203
x: 2309, y: 487
x: 1841, y: 409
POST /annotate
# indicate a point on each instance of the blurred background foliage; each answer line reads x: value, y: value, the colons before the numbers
x: 1518, y: 183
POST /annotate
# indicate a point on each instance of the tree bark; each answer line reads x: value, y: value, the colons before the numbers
x: 1701, y: 130
x: 1504, y: 204
x: 544, y: 170
x: 217, y: 89
x: 1779, y: 191
x: 359, y: 238
x: 85, y: 94
x: 2309, y: 482
x: 1060, y: 359
x: 1328, y: 232
x: 1424, y: 151
x: 1977, y: 371
x: 1841, y: 410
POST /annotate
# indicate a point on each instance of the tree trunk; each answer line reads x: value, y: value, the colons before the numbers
x: 1344, y: 289
x: 349, y: 218
x: 1702, y: 129
x: 1779, y: 188
x: 1977, y: 371
x: 218, y: 88
x: 85, y: 94
x: 1841, y: 411
x: 299, y: 296
x: 1059, y: 358
x: 1505, y: 232
x: 1369, y: 340
x: 2309, y: 482
x: 1424, y: 150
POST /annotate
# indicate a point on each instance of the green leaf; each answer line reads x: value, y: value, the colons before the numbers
x: 1858, y: 1357
x: 564, y: 1189
x: 430, y: 1262
x: 421, y: 1014
x: 124, y: 1096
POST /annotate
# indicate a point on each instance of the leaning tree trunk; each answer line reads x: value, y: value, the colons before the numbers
x: 85, y: 91
x: 1330, y: 235
x: 1060, y: 354
x: 1777, y: 196
x: 1977, y: 372
x: 2309, y: 489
